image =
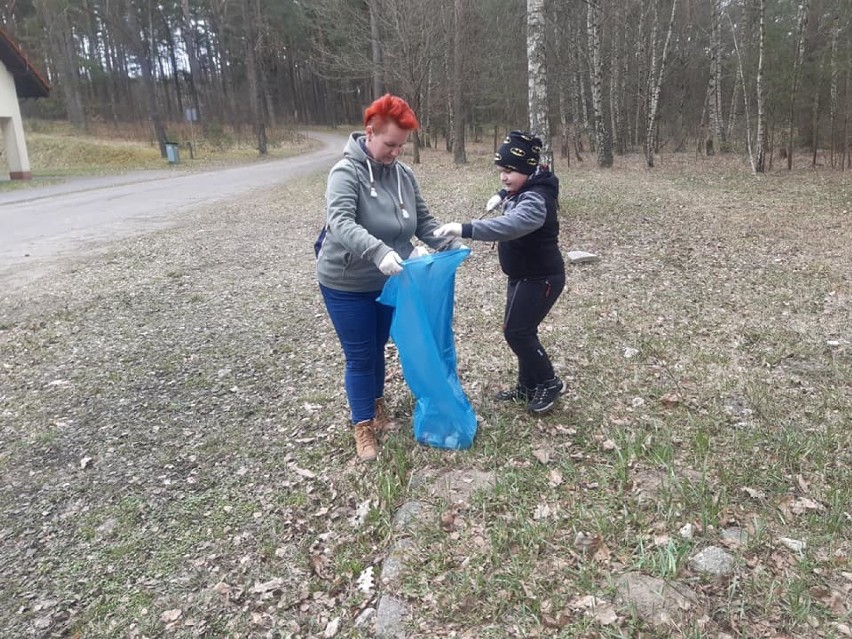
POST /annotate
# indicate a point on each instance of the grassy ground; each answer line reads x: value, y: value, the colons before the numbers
x: 57, y: 151
x: 176, y: 461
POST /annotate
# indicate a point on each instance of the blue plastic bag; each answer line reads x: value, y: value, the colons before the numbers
x: 422, y: 330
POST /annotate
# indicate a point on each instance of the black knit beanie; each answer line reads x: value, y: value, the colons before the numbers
x: 519, y: 152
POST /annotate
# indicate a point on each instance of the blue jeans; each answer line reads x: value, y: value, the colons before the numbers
x: 363, y: 328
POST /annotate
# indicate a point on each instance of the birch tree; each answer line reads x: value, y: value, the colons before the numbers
x: 376, y: 51
x: 835, y: 35
x: 641, y: 86
x: 602, y: 141
x: 741, y: 81
x: 459, y: 154
x: 651, y: 128
x: 536, y: 40
x: 802, y: 23
x: 717, y: 130
x: 760, y: 141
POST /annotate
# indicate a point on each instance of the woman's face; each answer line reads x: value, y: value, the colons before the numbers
x: 385, y: 143
x: 512, y: 180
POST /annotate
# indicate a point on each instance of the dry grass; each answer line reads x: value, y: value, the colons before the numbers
x: 57, y: 151
x: 174, y: 430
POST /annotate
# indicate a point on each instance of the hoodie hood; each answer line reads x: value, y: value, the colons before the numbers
x: 545, y: 182
x: 356, y: 150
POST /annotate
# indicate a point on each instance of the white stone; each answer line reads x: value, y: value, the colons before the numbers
x: 582, y: 257
x: 713, y: 561
x: 793, y: 544
x: 687, y: 531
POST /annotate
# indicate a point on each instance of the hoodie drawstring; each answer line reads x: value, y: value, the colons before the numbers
x: 373, y: 192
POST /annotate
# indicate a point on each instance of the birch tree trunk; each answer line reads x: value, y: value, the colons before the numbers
x: 614, y: 68
x: 650, y: 138
x: 717, y: 130
x: 651, y: 132
x: 459, y: 154
x: 815, y: 122
x: 760, y: 142
x: 575, y: 79
x: 741, y: 81
x: 536, y: 37
x: 641, y: 78
x: 578, y: 96
x: 376, y: 50
x: 732, y: 111
x: 846, y: 147
x: 802, y: 22
x: 835, y: 34
x: 602, y: 142
x: 567, y: 115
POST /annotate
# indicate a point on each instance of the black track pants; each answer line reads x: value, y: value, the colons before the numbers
x: 528, y: 302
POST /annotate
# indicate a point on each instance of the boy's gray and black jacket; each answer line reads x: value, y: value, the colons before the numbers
x: 361, y: 228
x: 528, y: 230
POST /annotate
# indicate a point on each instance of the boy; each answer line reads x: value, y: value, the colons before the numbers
x: 528, y: 245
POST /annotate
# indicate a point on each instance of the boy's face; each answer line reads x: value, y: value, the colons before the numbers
x: 512, y: 180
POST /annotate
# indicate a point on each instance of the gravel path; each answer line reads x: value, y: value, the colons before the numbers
x: 42, y: 225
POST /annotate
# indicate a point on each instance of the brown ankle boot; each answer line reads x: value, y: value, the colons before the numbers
x: 383, y: 421
x: 365, y: 440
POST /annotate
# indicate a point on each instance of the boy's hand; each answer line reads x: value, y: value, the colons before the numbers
x: 450, y: 229
x: 419, y: 251
x: 493, y: 203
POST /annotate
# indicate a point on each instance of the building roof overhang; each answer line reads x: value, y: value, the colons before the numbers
x: 29, y: 83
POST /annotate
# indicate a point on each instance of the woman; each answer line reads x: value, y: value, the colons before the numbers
x: 374, y: 208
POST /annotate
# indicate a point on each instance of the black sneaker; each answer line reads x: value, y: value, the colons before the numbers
x: 517, y: 394
x: 545, y: 395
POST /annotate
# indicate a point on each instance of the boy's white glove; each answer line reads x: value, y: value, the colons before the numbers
x: 391, y: 264
x: 493, y: 202
x: 450, y: 229
x: 419, y: 251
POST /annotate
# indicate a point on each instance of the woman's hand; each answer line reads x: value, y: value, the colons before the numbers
x: 450, y: 229
x: 391, y: 264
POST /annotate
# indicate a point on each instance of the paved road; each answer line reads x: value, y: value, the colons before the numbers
x: 41, y: 225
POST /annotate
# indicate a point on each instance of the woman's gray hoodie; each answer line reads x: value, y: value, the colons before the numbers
x: 364, y: 224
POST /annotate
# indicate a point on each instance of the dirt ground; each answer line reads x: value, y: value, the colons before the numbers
x: 176, y: 461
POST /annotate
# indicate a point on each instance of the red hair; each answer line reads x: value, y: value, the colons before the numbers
x: 390, y: 107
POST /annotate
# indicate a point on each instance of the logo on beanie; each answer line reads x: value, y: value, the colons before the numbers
x: 519, y: 152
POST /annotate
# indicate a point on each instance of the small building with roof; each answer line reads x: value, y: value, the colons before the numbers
x: 18, y: 79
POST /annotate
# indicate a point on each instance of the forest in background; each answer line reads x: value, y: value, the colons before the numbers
x: 756, y: 77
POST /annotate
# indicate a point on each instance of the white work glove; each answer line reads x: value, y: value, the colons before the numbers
x: 391, y: 264
x: 419, y: 251
x: 450, y: 229
x: 493, y: 203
